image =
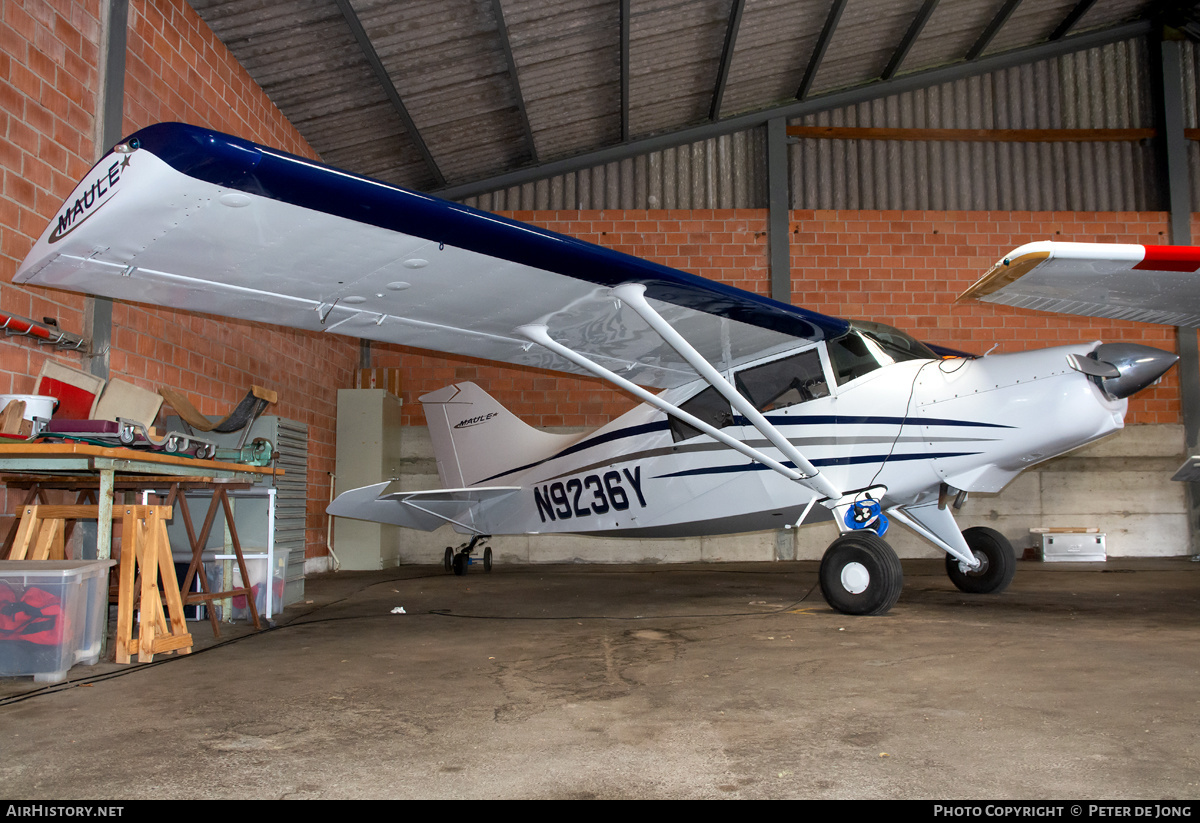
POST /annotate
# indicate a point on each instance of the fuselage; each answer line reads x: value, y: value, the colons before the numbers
x: 865, y: 417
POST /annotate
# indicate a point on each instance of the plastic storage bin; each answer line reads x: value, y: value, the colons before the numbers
x: 52, y: 616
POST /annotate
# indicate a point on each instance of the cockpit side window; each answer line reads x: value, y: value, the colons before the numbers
x: 850, y: 357
x: 785, y: 382
x: 710, y: 407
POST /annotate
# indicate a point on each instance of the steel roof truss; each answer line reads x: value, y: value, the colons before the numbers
x: 731, y: 33
x: 389, y: 88
x: 910, y: 37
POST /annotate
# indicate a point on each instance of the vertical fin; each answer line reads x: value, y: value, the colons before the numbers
x: 475, y: 439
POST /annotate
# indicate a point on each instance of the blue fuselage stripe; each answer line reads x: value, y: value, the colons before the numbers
x: 829, y: 461
x: 778, y: 420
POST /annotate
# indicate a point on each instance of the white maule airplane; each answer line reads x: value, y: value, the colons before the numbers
x: 763, y: 415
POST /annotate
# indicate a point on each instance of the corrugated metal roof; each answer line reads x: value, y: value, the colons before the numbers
x: 1105, y: 87
x: 430, y: 93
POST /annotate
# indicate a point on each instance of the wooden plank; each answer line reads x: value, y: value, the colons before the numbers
x: 49, y: 544
x: 181, y: 643
x: 25, y: 534
x: 45, y: 450
x: 125, y: 642
x: 975, y: 135
x: 68, y: 512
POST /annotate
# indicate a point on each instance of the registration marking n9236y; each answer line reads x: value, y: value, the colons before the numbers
x: 592, y: 495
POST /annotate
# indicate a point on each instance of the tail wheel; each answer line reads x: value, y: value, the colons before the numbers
x: 997, y: 563
x: 860, y: 574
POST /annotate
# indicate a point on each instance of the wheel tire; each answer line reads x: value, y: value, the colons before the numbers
x: 487, y: 559
x: 999, y: 563
x: 860, y: 574
x: 460, y: 564
x: 126, y: 435
x: 448, y: 559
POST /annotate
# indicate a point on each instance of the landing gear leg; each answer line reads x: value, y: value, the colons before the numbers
x: 457, y: 561
x: 861, y: 574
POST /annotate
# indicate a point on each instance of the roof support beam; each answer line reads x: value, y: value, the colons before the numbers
x: 814, y: 62
x: 1068, y: 23
x: 832, y: 100
x: 389, y: 88
x: 993, y: 28
x: 502, y: 29
x: 624, y: 70
x: 731, y: 33
x: 1167, y: 78
x: 910, y: 37
x: 97, y: 311
x: 779, y: 206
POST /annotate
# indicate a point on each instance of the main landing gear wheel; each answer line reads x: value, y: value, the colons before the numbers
x: 998, y: 564
x: 860, y: 574
x: 448, y: 560
x: 487, y: 559
x: 460, y: 563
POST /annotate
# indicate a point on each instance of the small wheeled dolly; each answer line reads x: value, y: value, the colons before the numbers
x: 457, y: 560
x: 124, y: 432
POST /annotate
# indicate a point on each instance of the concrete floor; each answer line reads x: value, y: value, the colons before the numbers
x: 713, y: 681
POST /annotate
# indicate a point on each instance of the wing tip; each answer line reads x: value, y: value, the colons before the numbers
x: 1008, y: 269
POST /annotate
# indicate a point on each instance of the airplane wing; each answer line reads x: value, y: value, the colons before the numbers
x: 1149, y: 284
x: 193, y: 219
x: 423, y: 510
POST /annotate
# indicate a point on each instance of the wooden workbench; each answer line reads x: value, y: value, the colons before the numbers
x: 88, y: 469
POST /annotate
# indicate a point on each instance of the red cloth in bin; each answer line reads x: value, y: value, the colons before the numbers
x: 36, y: 616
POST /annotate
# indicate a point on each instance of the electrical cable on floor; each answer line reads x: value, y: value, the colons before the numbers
x: 55, y: 688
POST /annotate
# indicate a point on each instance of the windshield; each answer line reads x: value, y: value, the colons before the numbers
x: 895, y: 342
x: 868, y: 346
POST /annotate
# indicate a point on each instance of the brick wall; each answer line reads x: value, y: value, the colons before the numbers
x: 48, y: 82
x: 907, y: 268
x: 900, y: 268
x: 175, y: 70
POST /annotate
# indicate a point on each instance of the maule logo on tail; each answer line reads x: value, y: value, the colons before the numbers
x: 94, y: 196
x: 475, y: 421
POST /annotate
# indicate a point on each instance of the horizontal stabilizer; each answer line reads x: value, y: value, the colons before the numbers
x: 424, y: 510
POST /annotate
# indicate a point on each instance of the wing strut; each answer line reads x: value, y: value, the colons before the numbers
x: 539, y: 334
x: 635, y: 295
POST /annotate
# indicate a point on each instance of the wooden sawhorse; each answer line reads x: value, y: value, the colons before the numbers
x: 144, y: 546
x: 175, y: 495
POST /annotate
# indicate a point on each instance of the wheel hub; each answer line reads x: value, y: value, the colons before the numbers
x: 855, y: 578
x: 978, y: 570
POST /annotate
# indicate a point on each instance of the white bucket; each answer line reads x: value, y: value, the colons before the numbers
x: 36, y: 405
